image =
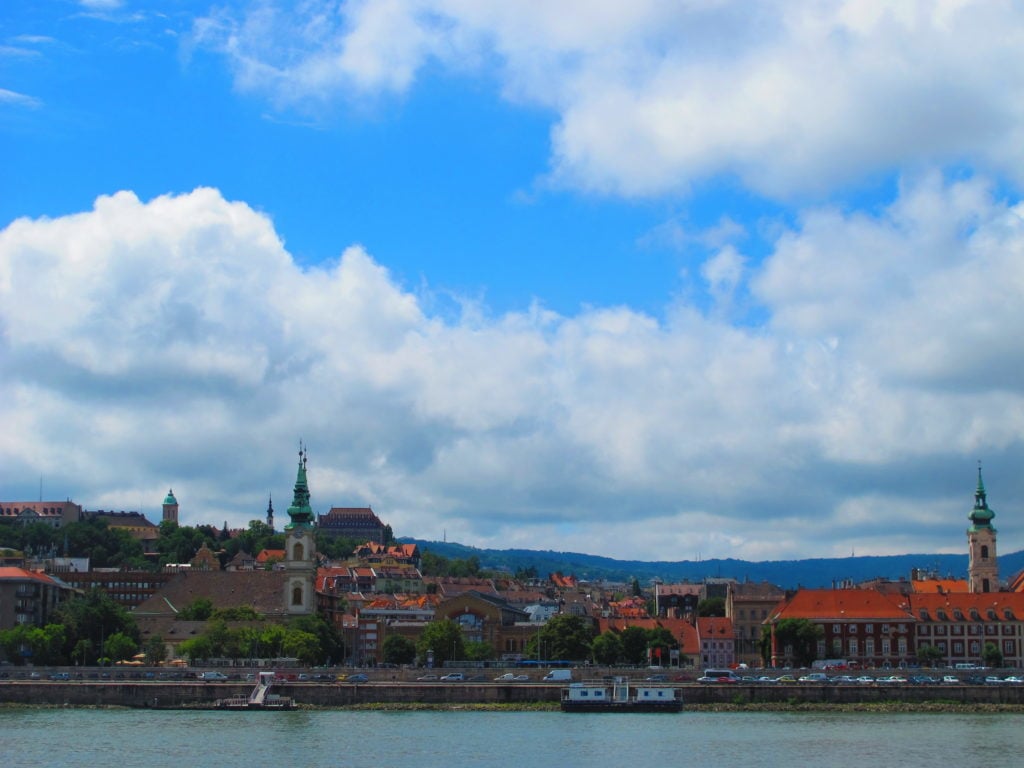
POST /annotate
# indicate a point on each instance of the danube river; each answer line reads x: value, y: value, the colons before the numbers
x: 85, y: 738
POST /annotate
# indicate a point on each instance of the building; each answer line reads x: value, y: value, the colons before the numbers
x: 53, y: 513
x: 747, y: 605
x: 358, y: 523
x: 134, y: 524
x: 983, y: 566
x: 300, y: 551
x: 960, y: 625
x: 170, y: 508
x: 29, y: 597
x: 715, y: 634
x: 126, y: 588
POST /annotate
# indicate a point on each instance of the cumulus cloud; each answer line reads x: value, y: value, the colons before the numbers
x: 651, y: 97
x: 176, y: 343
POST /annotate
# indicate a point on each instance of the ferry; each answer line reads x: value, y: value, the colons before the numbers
x: 619, y: 696
x: 260, y: 698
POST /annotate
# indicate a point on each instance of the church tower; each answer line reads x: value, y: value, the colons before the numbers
x: 983, y: 567
x: 299, y: 549
x: 170, y: 508
x: 270, y: 513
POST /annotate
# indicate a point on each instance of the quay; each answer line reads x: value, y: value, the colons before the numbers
x: 199, y: 695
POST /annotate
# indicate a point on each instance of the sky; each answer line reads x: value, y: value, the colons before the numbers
x: 655, y: 281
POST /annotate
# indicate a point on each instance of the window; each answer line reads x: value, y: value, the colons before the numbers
x: 984, y: 552
x: 902, y: 646
x: 853, y: 646
x: 869, y: 628
x: 958, y: 648
x: 885, y: 628
x: 886, y: 646
x: 869, y: 646
x: 853, y: 628
x: 975, y: 647
x: 297, y: 596
x: 836, y: 629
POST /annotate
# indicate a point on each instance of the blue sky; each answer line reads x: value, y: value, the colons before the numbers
x: 657, y: 282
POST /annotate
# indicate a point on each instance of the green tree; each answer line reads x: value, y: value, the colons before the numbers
x: 399, y: 650
x: 444, y: 638
x: 991, y: 655
x: 120, y: 646
x: 478, y: 650
x: 93, y: 617
x: 634, y: 645
x: 798, y: 640
x: 196, y: 648
x: 563, y: 637
x: 659, y: 643
x: 199, y: 609
x: 329, y: 643
x: 606, y: 648
x: 304, y: 646
x: 155, y: 650
x: 712, y: 606
x: 928, y: 655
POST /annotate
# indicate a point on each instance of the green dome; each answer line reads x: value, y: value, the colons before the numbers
x: 170, y: 498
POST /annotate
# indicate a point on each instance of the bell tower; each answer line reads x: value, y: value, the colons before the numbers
x: 983, y: 567
x: 299, y: 548
x: 170, y: 507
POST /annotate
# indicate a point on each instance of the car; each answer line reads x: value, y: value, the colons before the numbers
x: 213, y: 677
x: 60, y: 676
x: 717, y: 679
x: 656, y: 678
x: 359, y: 677
x: 1013, y: 680
x: 453, y: 677
x: 993, y: 680
x: 865, y: 680
x: 814, y: 677
x: 427, y: 679
x: 785, y: 679
x: 844, y: 680
x: 511, y: 677
x: 950, y: 680
x: 891, y: 680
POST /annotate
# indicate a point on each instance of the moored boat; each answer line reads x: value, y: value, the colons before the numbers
x: 260, y: 698
x: 619, y: 696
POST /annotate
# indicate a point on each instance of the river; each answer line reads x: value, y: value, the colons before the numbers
x: 113, y: 738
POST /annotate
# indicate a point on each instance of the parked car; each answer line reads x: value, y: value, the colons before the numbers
x: 213, y: 677
x: 427, y: 679
x: 453, y: 677
x: 950, y: 680
x: 656, y: 678
x: 511, y: 677
x: 60, y: 676
x: 814, y: 677
x: 359, y: 677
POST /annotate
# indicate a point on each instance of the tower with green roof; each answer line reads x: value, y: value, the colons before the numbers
x: 300, y: 549
x: 983, y: 567
x: 170, y: 507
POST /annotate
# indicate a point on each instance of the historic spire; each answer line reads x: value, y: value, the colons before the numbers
x: 981, y: 516
x: 270, y: 511
x: 300, y: 512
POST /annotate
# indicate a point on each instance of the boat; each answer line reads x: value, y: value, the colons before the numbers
x: 260, y: 698
x: 618, y: 696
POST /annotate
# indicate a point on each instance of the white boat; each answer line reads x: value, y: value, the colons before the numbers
x: 619, y: 696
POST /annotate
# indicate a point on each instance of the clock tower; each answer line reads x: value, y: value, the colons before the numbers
x: 299, y: 549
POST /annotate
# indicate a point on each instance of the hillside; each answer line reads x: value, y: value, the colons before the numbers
x: 789, y: 574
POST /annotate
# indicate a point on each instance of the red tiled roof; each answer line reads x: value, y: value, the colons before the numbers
x: 964, y: 603
x: 840, y: 605
x: 267, y: 554
x: 12, y: 573
x: 940, y: 585
x: 715, y: 626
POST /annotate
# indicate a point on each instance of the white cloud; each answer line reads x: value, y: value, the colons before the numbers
x: 176, y: 343
x: 18, y: 99
x: 651, y: 97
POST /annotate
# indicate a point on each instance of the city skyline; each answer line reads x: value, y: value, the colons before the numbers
x: 652, y: 282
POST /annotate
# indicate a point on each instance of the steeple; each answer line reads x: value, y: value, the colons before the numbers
x: 270, y: 512
x: 981, y: 516
x: 982, y: 565
x: 170, y: 507
x: 300, y: 512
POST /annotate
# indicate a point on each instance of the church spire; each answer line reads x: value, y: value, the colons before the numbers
x: 981, y: 516
x: 300, y: 512
x: 270, y: 512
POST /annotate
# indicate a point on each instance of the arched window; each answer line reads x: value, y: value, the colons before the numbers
x: 297, y: 595
x: 984, y: 554
x: 298, y: 551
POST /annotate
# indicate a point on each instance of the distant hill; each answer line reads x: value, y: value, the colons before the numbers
x: 789, y: 574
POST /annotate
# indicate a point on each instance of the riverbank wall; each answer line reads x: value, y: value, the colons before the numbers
x: 183, y: 695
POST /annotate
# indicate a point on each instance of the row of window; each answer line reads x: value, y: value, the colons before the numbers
x: 972, y: 629
x: 868, y: 628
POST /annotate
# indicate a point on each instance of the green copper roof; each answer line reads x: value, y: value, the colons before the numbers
x: 981, y: 516
x: 170, y: 498
x: 300, y: 512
